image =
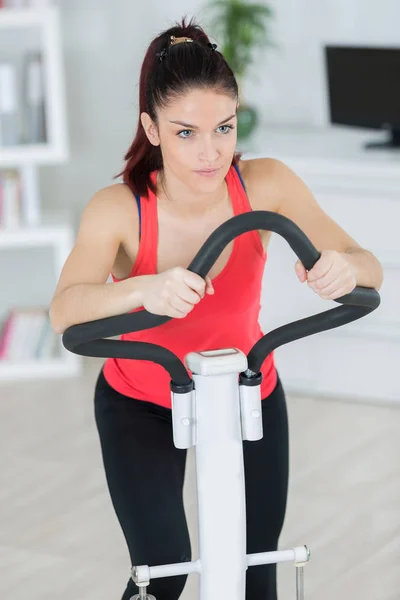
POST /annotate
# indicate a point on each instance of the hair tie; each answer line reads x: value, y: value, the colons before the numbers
x: 179, y: 40
x: 161, y: 55
x: 173, y: 41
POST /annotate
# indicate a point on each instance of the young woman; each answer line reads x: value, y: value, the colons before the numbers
x: 182, y: 179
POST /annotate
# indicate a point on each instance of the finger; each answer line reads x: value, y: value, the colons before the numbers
x: 341, y: 292
x: 195, y: 282
x: 334, y: 273
x: 335, y: 290
x: 188, y: 295
x: 301, y: 271
x: 321, y: 268
x: 174, y: 309
x: 338, y: 293
x: 180, y: 305
x: 175, y: 314
x: 327, y: 289
x: 209, y: 286
x: 337, y: 276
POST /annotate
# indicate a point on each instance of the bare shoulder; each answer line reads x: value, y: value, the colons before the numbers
x: 112, y: 198
x: 263, y: 178
x: 113, y: 207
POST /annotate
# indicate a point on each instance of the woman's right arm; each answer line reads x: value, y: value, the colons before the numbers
x: 82, y: 293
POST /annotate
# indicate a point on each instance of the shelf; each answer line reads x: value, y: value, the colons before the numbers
x: 49, y: 368
x: 33, y: 154
x: 42, y: 235
x: 24, y: 17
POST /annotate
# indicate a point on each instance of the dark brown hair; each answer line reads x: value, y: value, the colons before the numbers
x: 184, y: 67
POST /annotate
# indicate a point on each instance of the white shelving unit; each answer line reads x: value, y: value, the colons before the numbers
x: 59, y: 239
x: 57, y: 234
x: 47, y: 22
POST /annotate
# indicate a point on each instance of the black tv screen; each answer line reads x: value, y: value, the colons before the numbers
x: 364, y: 86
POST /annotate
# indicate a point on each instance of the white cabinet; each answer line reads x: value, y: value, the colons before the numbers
x: 360, y: 189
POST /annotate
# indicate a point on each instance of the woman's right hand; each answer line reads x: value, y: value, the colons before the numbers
x: 174, y: 292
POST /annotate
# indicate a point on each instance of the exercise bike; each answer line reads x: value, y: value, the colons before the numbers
x: 216, y: 409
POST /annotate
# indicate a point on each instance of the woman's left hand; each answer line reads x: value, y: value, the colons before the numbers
x: 331, y: 277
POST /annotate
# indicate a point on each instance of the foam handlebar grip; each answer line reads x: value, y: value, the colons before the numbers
x: 88, y: 338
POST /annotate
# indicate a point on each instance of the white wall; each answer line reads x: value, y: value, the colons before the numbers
x: 104, y: 45
x: 292, y: 85
x: 103, y: 49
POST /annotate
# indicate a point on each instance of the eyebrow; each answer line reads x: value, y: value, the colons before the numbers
x: 195, y: 127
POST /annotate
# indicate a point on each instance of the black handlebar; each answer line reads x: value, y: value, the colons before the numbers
x: 87, y: 338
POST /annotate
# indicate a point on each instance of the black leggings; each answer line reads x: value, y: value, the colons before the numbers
x: 145, y: 476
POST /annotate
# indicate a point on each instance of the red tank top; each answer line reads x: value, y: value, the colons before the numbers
x: 226, y: 319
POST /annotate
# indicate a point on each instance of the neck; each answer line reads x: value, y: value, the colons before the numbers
x: 181, y: 198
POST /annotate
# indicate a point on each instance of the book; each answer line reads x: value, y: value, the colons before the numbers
x: 27, y: 335
x: 33, y: 99
x: 9, y: 125
x: 10, y: 199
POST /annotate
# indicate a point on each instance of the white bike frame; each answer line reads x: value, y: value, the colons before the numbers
x: 215, y: 418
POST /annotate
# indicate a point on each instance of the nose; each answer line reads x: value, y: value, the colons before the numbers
x: 208, y: 151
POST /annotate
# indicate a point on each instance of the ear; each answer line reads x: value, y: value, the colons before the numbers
x: 150, y: 129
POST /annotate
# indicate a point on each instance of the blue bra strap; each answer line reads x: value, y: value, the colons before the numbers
x: 139, y: 213
x: 240, y: 177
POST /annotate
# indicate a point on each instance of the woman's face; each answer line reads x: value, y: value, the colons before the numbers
x: 196, y: 132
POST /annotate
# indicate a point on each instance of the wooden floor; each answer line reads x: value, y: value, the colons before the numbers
x: 60, y: 539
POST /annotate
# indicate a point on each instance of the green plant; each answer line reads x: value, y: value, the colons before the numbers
x: 240, y: 27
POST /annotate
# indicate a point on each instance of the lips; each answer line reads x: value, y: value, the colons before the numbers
x: 207, y: 170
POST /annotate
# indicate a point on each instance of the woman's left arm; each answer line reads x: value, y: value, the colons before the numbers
x: 343, y: 263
